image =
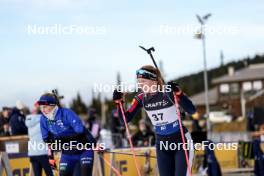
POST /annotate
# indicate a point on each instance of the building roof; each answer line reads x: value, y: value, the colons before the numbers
x: 253, y: 72
x: 199, y: 99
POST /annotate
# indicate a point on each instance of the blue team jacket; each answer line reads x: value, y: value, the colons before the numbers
x: 65, y: 124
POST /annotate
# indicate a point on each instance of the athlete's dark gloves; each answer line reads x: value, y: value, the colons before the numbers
x: 175, y: 87
x: 117, y: 96
x: 49, y: 139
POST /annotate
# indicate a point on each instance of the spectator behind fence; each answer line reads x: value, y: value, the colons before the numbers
x: 38, y: 155
x: 17, y: 120
x: 4, y: 122
x: 93, y: 124
x: 144, y: 137
x: 118, y: 130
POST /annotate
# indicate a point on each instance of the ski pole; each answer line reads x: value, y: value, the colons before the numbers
x: 182, y: 133
x: 129, y: 137
x: 149, y: 52
x: 110, y: 165
x: 99, y: 151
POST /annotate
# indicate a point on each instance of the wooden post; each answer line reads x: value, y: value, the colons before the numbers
x: 4, y: 164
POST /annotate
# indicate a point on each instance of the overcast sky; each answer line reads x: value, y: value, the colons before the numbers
x: 32, y: 63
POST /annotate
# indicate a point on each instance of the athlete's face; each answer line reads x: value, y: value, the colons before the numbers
x: 147, y: 85
x: 46, y: 109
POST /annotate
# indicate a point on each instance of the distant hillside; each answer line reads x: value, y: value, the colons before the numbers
x: 193, y: 84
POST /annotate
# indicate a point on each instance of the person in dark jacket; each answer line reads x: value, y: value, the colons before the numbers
x: 93, y: 124
x: 17, y: 121
x: 144, y: 137
x: 117, y: 129
x: 259, y: 158
x: 213, y: 166
x: 4, y: 121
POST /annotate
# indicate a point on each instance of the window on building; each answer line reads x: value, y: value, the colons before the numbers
x: 224, y: 88
x: 257, y: 85
x: 234, y: 88
x: 247, y: 86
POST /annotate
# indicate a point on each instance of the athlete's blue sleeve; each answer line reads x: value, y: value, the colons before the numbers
x: 187, y: 104
x: 44, y: 129
x: 78, y: 127
x: 75, y: 121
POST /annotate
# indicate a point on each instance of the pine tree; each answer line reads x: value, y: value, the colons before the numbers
x: 78, y: 106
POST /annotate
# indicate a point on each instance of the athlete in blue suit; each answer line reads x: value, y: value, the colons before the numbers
x: 65, y: 127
